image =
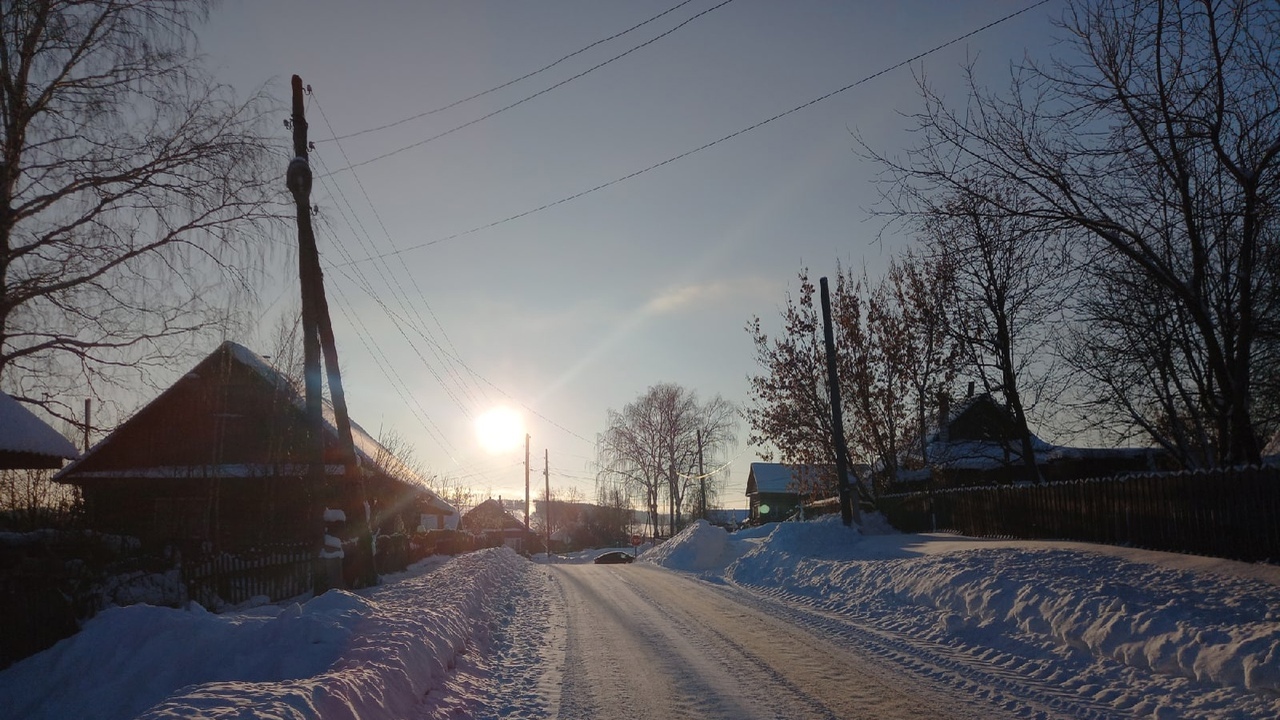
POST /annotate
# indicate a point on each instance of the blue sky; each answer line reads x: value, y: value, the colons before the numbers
x: 567, y: 312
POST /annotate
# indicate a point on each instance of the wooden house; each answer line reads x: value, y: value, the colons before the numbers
x: 494, y: 526
x: 776, y: 490
x: 219, y: 462
x: 27, y: 442
x: 976, y: 443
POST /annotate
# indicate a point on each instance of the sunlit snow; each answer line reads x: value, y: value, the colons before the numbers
x: 1142, y: 634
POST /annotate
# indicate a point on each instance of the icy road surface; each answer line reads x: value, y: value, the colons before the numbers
x: 642, y: 642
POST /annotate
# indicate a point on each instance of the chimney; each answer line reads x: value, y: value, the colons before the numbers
x: 970, y: 395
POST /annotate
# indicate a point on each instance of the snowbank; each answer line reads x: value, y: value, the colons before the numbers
x: 1219, y: 626
x: 340, y: 655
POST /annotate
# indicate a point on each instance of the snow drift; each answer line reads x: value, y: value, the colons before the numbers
x: 1216, y: 628
x: 339, y: 655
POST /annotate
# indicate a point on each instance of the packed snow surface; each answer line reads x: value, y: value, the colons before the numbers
x: 1204, y: 632
x: 1139, y: 634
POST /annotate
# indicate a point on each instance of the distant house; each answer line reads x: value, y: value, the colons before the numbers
x: 976, y: 443
x: 495, y: 526
x: 774, y: 489
x: 27, y: 442
x: 580, y: 525
x: 219, y: 462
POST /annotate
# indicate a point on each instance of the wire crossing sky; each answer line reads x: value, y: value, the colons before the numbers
x: 602, y: 289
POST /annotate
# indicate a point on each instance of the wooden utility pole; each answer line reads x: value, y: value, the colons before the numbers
x: 299, y: 182
x: 88, y: 406
x: 526, y: 481
x: 848, y: 494
x: 546, y: 516
x: 702, y: 476
x: 318, y: 339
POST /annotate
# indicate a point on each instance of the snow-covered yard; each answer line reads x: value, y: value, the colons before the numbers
x: 1134, y: 633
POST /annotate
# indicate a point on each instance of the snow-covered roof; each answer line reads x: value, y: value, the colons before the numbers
x: 22, y: 432
x: 369, y: 452
x: 778, y: 477
x: 769, y: 477
x: 983, y: 454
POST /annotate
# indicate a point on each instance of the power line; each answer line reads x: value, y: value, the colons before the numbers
x: 524, y: 100
x: 402, y: 297
x: 709, y: 473
x: 437, y: 349
x: 507, y: 84
x: 711, y: 144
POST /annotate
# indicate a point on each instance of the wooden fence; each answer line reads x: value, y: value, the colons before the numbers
x: 277, y: 573
x: 1230, y: 513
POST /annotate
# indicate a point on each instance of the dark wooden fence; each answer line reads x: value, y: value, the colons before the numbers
x: 1230, y: 513
x: 276, y: 572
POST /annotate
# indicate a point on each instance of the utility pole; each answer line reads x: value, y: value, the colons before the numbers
x: 88, y: 405
x: 546, y: 517
x: 318, y: 339
x: 848, y: 494
x: 702, y: 476
x: 526, y: 481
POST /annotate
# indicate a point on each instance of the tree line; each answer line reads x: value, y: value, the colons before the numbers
x: 1097, y: 246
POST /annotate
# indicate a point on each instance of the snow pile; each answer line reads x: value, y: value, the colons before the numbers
x: 340, y: 655
x: 1131, y: 607
x: 699, y: 547
x: 140, y: 586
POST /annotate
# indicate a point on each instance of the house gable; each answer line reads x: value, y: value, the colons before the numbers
x: 224, y: 454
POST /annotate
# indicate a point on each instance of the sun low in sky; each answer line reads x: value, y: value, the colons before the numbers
x: 500, y: 430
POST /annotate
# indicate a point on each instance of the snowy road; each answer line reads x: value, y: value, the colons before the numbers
x: 646, y: 643
x: 793, y: 620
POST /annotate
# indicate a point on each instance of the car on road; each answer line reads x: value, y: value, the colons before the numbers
x: 614, y: 557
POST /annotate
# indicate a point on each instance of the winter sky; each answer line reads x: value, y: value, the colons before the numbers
x: 450, y: 297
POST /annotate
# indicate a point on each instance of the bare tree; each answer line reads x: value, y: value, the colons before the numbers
x: 892, y: 345
x: 1007, y: 290
x: 29, y: 499
x: 462, y: 496
x: 1158, y: 142
x: 791, y: 408
x: 132, y: 192
x: 652, y: 445
x: 872, y: 345
x: 923, y: 288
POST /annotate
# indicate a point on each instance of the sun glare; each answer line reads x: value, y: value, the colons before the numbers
x: 500, y: 430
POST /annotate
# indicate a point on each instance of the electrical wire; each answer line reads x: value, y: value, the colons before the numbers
x: 507, y: 84
x: 713, y: 143
x: 401, y: 323
x: 388, y: 271
x: 526, y: 99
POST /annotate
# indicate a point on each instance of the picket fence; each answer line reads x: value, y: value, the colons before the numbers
x: 278, y: 573
x: 1230, y: 513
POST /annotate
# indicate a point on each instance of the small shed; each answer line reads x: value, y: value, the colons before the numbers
x: 27, y: 442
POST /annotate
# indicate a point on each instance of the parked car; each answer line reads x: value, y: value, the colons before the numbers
x: 614, y: 557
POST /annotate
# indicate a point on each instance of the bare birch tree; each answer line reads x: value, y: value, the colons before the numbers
x: 652, y: 445
x: 133, y: 191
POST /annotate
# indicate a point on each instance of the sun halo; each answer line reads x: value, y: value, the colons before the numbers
x: 499, y: 430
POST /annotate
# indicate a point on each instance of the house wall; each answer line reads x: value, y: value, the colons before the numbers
x: 196, y: 514
x: 781, y: 506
